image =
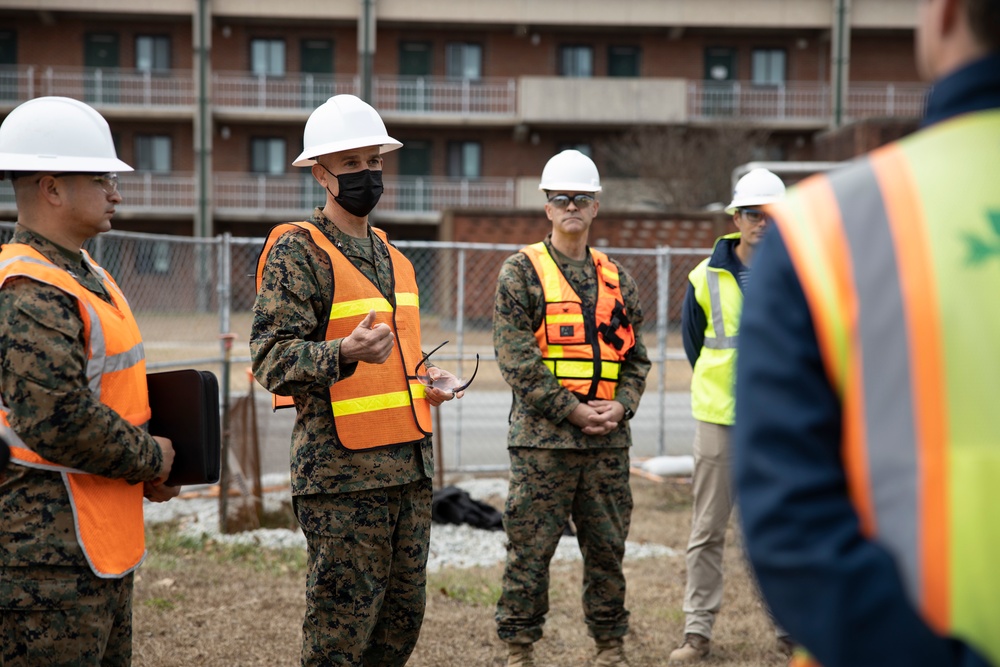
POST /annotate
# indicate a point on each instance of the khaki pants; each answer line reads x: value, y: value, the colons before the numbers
x: 713, y: 505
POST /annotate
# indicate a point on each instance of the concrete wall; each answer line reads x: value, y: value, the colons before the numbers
x: 553, y: 99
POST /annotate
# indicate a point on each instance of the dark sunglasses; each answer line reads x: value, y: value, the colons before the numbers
x: 452, y: 384
x: 562, y: 201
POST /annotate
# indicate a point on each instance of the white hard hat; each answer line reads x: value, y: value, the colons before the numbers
x: 341, y: 123
x: 57, y: 134
x: 570, y: 171
x: 756, y: 188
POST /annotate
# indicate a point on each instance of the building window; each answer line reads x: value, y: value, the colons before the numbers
x: 9, y: 84
x: 152, y: 153
x: 465, y: 159
x: 267, y: 57
x: 267, y: 155
x: 463, y: 61
x: 152, y: 53
x: 768, y: 67
x: 624, y: 60
x: 576, y: 61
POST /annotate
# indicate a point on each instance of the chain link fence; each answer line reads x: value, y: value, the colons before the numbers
x: 187, y: 293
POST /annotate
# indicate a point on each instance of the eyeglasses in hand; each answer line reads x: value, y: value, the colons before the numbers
x: 448, y: 382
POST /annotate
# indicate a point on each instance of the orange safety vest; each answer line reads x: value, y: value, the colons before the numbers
x: 584, y: 351
x: 107, y: 512
x: 380, y: 405
x: 897, y: 256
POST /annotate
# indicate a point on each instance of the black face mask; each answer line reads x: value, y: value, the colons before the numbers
x: 359, y: 191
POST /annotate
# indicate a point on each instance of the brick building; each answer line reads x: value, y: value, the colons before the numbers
x: 481, y: 92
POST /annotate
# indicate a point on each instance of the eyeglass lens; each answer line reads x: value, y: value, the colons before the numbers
x: 108, y: 181
x: 446, y: 383
x: 562, y: 201
x: 754, y: 214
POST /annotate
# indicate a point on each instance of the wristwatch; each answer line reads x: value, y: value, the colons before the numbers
x: 629, y: 413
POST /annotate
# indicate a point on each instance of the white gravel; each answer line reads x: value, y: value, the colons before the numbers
x: 459, y: 546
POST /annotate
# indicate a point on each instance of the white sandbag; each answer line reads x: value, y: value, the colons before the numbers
x: 670, y: 466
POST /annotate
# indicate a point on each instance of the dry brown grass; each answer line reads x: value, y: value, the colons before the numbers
x: 204, y: 604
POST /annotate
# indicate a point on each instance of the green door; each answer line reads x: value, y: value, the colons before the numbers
x: 414, y: 71
x: 100, y: 60
x: 414, y: 176
x: 317, y: 72
x: 719, y: 96
x: 623, y: 61
x: 8, y: 65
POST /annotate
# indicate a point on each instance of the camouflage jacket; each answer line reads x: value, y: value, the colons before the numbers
x: 291, y: 357
x: 43, y: 382
x: 541, y: 404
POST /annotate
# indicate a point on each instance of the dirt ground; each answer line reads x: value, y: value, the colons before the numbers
x: 202, y: 603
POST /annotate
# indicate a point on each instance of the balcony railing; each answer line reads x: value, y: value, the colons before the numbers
x: 439, y: 95
x: 259, y: 193
x: 113, y: 86
x: 802, y: 101
x: 242, y: 90
x: 264, y: 195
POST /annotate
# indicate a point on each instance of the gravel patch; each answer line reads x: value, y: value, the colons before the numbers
x: 459, y: 546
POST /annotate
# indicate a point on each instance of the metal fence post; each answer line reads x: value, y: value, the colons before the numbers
x: 662, y: 319
x: 460, y: 340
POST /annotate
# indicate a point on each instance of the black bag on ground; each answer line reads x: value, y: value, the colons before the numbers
x: 454, y: 505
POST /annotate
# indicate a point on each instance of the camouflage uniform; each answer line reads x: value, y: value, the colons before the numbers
x: 366, y: 514
x: 53, y: 609
x: 556, y: 470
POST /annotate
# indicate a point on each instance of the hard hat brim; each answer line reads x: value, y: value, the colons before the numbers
x: 308, y: 157
x: 568, y: 186
x: 56, y: 163
x: 749, y: 201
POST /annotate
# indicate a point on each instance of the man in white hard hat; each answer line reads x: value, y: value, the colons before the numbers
x: 336, y: 330
x: 710, y: 326
x: 566, y: 332
x: 74, y: 405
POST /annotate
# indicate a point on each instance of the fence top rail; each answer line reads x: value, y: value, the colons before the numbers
x: 511, y: 247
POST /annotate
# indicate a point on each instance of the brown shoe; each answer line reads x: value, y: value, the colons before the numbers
x: 610, y: 653
x: 694, y: 649
x: 520, y: 655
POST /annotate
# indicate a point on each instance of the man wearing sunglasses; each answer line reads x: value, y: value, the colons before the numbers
x: 710, y: 326
x: 336, y: 334
x: 73, y: 401
x: 566, y: 333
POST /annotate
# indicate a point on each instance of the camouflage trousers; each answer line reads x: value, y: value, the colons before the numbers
x: 64, y: 616
x: 366, y: 584
x: 547, y: 486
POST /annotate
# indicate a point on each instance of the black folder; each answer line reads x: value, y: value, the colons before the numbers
x: 185, y: 407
